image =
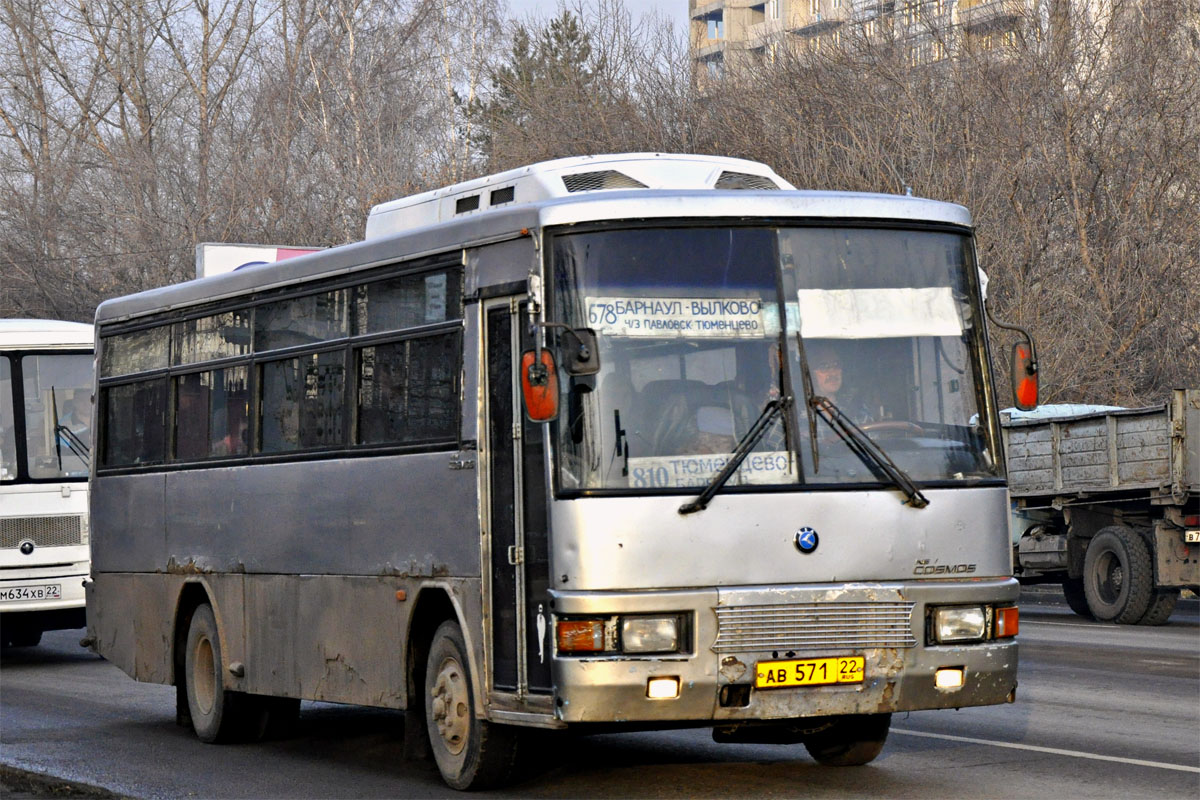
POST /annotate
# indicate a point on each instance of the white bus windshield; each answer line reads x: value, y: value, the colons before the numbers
x: 692, y: 346
x: 56, y: 416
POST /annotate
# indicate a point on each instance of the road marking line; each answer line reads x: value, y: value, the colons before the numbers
x: 1052, y: 750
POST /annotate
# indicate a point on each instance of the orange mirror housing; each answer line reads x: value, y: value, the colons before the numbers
x: 539, y: 386
x: 1024, y: 377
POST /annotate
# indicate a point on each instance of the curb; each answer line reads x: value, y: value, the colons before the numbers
x: 21, y: 784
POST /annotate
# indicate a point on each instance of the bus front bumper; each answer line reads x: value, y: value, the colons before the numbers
x: 45, y: 598
x: 716, y: 681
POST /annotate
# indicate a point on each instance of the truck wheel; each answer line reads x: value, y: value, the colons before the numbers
x: 217, y: 714
x: 1117, y: 575
x: 1161, y: 605
x: 1076, y: 598
x: 471, y: 753
x: 849, y: 741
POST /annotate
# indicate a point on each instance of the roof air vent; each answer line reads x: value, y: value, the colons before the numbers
x: 743, y: 180
x: 604, y: 179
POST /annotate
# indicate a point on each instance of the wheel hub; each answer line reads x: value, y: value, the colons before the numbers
x: 204, y: 681
x: 450, y: 706
x: 1114, y: 577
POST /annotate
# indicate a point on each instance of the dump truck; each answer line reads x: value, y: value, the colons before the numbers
x: 1107, y: 503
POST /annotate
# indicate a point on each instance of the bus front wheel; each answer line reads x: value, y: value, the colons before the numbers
x: 849, y: 741
x: 471, y: 753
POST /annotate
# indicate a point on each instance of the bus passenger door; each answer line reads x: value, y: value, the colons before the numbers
x: 516, y: 522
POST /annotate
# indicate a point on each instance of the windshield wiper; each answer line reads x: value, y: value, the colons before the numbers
x: 865, y: 448
x: 770, y: 411
x: 63, y: 433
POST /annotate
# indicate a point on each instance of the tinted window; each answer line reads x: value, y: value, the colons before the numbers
x: 408, y: 301
x: 303, y: 402
x: 210, y: 338
x: 135, y: 423
x: 408, y: 391
x: 212, y: 414
x: 140, y: 351
x: 301, y: 320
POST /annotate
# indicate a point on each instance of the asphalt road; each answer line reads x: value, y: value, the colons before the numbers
x: 1103, y: 711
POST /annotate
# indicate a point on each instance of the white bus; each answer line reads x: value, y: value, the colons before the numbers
x: 612, y: 442
x: 45, y: 440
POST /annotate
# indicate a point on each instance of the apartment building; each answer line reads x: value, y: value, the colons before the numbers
x: 723, y: 31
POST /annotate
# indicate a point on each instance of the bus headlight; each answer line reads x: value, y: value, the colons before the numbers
x: 958, y: 624
x: 650, y: 634
x: 616, y: 634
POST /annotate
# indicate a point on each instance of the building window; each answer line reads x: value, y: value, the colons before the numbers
x: 716, y: 26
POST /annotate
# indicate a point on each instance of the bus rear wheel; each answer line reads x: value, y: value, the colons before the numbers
x: 471, y: 753
x: 218, y: 715
x: 849, y: 741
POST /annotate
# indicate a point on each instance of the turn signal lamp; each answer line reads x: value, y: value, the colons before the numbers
x: 580, y: 635
x: 1007, y: 622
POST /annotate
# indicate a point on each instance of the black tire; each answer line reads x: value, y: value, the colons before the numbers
x: 218, y: 715
x: 1161, y: 605
x: 1076, y: 597
x: 16, y: 635
x: 1117, y: 575
x: 471, y: 753
x: 849, y: 741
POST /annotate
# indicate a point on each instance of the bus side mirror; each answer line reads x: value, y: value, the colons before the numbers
x: 539, y: 386
x: 579, y: 351
x: 1024, y: 377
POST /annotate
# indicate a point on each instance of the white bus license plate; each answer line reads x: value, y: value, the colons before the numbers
x: 48, y: 591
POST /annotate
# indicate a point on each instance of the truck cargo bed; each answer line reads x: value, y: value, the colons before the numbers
x: 1155, y: 448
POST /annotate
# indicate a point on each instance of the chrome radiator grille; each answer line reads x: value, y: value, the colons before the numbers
x: 58, y: 531
x: 814, y: 626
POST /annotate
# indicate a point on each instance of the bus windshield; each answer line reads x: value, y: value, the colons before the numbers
x: 692, y: 347
x: 57, y: 409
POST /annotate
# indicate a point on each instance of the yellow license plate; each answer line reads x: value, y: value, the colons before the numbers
x: 808, y: 672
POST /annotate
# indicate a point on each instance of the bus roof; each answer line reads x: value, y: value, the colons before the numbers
x: 35, y: 333
x: 516, y: 219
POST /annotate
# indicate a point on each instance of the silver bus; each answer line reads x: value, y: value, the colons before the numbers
x: 631, y: 441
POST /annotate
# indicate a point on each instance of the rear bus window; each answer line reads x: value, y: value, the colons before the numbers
x: 135, y: 423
